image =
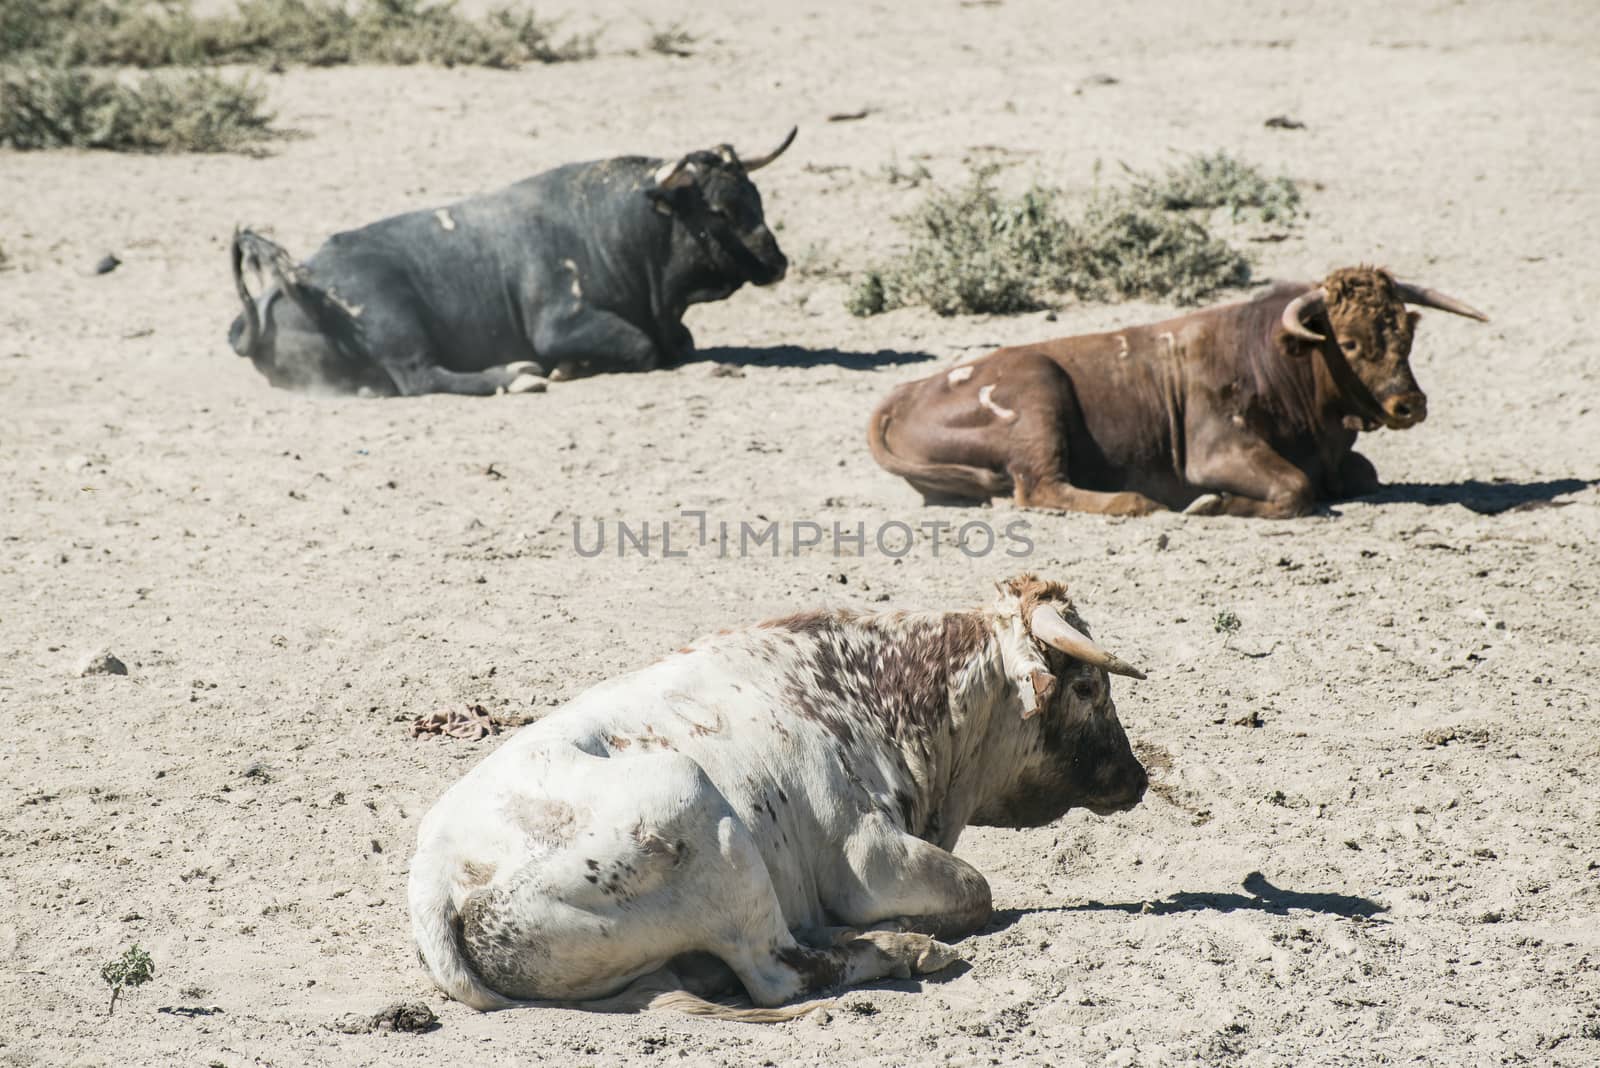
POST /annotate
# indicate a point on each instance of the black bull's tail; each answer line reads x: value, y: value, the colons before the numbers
x: 933, y: 480
x: 332, y: 316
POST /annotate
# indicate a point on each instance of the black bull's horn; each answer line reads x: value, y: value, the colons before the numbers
x: 755, y: 163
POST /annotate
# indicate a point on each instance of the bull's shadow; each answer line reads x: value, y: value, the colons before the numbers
x: 1259, y: 896
x: 800, y: 356
x: 1485, y: 498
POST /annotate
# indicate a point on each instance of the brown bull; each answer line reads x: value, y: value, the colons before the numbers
x: 1243, y: 409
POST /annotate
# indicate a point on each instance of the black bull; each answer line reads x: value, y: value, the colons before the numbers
x: 590, y: 265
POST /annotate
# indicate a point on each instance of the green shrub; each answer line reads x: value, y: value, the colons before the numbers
x: 147, y: 33
x: 193, y: 112
x: 976, y: 250
x: 1220, y: 181
x: 133, y: 969
x: 1124, y: 249
x: 972, y: 249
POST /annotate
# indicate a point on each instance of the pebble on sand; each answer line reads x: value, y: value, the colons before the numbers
x: 101, y: 662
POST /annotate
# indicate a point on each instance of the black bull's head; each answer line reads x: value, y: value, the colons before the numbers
x: 711, y: 194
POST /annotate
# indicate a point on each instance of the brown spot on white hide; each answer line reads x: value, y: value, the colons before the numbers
x: 553, y: 823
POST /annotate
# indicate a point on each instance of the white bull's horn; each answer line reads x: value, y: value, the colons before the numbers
x: 1048, y: 626
x: 1294, y: 315
x: 1432, y: 298
x: 755, y: 163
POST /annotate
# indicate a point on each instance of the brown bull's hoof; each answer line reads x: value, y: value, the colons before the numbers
x: 1208, y: 504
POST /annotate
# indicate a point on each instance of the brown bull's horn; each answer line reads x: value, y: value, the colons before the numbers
x: 1294, y: 315
x: 1432, y: 298
x: 755, y: 163
x: 1048, y: 626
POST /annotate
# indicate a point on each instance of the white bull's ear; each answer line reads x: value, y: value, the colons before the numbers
x: 675, y: 174
x: 1029, y: 673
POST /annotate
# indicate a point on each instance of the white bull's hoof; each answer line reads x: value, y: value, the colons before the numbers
x: 917, y: 953
x: 936, y: 957
x: 1207, y: 504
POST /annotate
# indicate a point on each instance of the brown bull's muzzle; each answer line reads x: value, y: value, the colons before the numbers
x: 1405, y: 410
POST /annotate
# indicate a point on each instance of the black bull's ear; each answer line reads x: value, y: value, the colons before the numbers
x: 676, y: 174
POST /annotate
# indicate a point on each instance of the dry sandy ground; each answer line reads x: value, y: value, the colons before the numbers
x: 1399, y: 862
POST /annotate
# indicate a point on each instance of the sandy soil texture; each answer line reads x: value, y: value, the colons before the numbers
x: 1374, y: 835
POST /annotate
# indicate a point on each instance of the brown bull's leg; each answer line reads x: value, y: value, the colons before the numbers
x: 1053, y: 493
x: 1357, y: 476
x: 1245, y: 477
x: 891, y: 877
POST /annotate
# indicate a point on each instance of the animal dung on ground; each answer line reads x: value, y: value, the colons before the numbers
x: 101, y: 662
x: 410, y: 1016
x: 470, y: 722
x: 1283, y: 122
x: 107, y: 264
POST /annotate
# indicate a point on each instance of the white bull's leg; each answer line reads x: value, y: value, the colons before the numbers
x: 756, y: 943
x: 655, y: 864
x: 889, y: 876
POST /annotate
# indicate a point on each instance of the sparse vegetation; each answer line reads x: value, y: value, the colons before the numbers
x: 1219, y: 180
x: 156, y: 33
x: 976, y: 250
x: 1124, y: 249
x: 133, y: 969
x: 911, y: 176
x: 672, y: 40
x: 1226, y: 623
x: 73, y: 108
x: 972, y: 250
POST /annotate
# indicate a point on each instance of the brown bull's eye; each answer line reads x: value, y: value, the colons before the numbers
x: 1349, y: 346
x: 1083, y: 688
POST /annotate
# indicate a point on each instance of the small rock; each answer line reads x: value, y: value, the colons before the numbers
x: 101, y: 662
x: 1250, y: 719
x: 726, y: 370
x: 1283, y: 122
x: 107, y: 264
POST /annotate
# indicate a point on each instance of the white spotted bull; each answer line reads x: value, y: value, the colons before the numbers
x: 779, y: 803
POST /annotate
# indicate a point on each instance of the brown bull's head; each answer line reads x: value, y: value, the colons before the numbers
x: 1072, y: 750
x: 1366, y: 309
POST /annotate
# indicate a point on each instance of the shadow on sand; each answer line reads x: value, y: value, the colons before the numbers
x: 1485, y: 498
x: 1259, y: 896
x: 799, y: 356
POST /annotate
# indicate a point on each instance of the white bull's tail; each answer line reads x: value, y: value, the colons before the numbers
x: 436, y: 925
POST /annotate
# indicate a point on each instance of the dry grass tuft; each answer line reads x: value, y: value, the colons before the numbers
x: 192, y: 112
x: 147, y: 33
x: 976, y: 250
